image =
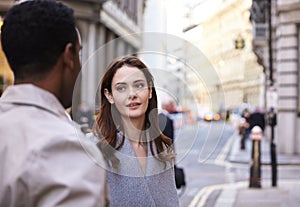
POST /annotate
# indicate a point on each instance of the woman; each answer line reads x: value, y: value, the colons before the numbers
x: 139, y: 157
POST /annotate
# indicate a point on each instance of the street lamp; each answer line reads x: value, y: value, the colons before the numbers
x: 261, y: 13
x: 272, y: 112
x: 270, y: 42
x: 239, y: 42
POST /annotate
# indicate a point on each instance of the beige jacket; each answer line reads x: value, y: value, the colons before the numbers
x: 44, y: 159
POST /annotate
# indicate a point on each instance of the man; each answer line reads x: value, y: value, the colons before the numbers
x: 166, y: 124
x: 42, y: 160
x: 257, y: 118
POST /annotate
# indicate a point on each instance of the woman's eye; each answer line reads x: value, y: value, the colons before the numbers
x: 121, y: 88
x: 139, y: 85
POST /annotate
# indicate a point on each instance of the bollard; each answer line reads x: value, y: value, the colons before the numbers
x: 243, y: 133
x: 243, y: 138
x: 255, y: 169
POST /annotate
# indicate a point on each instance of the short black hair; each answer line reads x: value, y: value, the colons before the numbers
x: 34, y: 34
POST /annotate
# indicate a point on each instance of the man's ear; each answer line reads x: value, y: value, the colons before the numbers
x: 109, y: 96
x: 68, y: 55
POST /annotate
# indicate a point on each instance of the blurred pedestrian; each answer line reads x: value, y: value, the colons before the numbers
x: 244, y: 130
x: 166, y: 125
x: 139, y: 156
x: 165, y: 121
x: 42, y: 161
x: 228, y: 113
x: 257, y: 118
x: 84, y: 117
x: 244, y: 125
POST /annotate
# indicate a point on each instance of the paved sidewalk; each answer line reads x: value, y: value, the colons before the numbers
x: 240, y: 195
x: 286, y: 194
x: 236, y: 155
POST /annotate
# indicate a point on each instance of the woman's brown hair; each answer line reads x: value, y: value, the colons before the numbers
x: 108, y: 121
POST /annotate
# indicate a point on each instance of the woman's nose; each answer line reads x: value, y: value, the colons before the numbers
x: 132, y: 92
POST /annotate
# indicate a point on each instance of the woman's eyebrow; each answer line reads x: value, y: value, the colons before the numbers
x: 120, y: 83
x: 136, y: 81
x: 141, y: 80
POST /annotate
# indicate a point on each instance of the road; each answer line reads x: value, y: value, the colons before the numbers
x: 201, y: 150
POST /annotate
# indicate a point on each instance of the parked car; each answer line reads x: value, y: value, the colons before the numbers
x: 211, y: 116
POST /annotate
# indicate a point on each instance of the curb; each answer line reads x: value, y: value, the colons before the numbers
x: 238, y: 156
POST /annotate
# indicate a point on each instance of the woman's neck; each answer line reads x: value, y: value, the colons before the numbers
x: 134, y: 129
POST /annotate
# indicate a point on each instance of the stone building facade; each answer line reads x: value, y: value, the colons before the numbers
x: 282, y: 78
x: 226, y: 40
x: 105, y: 27
x: 284, y: 61
x: 286, y: 42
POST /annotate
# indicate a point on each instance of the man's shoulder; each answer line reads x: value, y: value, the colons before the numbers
x: 73, y: 161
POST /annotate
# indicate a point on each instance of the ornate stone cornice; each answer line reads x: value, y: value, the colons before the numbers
x: 287, y: 7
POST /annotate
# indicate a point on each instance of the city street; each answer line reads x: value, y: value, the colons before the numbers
x: 202, y: 150
x: 214, y: 70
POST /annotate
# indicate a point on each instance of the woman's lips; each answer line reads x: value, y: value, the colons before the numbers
x: 133, y: 105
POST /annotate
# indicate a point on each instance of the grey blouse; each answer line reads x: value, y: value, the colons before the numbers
x: 129, y: 186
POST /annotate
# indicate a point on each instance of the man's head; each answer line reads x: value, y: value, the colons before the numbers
x: 34, y: 35
x: 38, y: 36
x: 168, y: 105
